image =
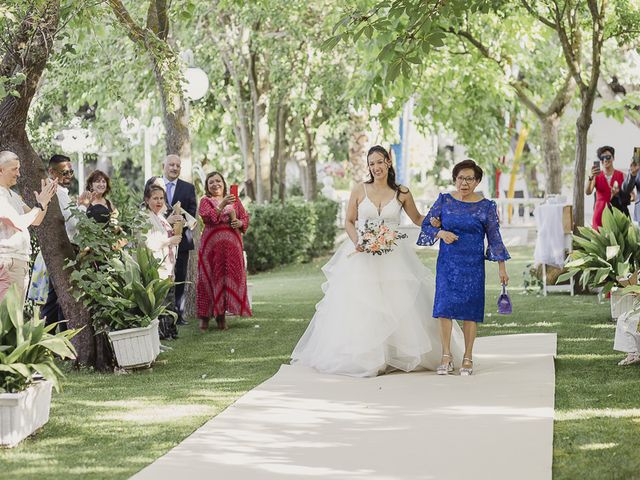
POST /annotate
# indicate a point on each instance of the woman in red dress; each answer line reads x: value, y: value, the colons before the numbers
x: 606, y: 183
x: 222, y: 281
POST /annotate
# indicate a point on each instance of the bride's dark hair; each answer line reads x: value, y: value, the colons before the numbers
x: 391, y: 175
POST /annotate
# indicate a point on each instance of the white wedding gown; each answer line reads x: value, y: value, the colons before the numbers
x: 376, y: 312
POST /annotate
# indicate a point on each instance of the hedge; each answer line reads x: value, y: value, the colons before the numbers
x: 294, y: 232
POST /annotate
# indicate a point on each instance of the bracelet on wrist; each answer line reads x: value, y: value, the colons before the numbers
x: 38, y: 205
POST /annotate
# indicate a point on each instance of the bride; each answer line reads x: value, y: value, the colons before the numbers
x: 376, y: 312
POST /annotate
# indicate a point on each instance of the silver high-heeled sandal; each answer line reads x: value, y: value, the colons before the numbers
x: 466, y: 371
x: 445, y: 368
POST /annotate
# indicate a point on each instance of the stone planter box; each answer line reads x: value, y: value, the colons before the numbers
x: 24, y: 412
x: 136, y: 347
x: 620, y: 303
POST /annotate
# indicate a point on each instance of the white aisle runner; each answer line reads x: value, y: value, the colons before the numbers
x: 496, y: 424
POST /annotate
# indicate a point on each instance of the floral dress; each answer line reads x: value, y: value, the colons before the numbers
x: 460, y: 276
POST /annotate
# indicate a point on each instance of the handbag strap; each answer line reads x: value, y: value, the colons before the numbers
x: 504, y: 289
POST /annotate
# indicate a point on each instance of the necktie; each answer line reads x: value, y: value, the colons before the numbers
x: 170, y: 193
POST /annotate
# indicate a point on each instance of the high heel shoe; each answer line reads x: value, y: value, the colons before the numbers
x: 466, y: 371
x: 222, y: 323
x: 445, y: 368
x: 204, y: 324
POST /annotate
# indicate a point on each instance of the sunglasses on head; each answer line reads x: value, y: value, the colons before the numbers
x: 604, y: 158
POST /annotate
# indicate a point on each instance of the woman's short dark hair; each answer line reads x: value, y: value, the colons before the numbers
x: 97, y: 175
x: 606, y: 148
x: 152, y: 185
x: 468, y: 163
x: 206, y: 184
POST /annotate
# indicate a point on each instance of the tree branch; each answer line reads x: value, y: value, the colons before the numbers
x: 135, y: 31
x: 535, y: 14
x: 563, y: 97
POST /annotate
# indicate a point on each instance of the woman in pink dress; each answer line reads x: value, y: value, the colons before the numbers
x: 606, y: 182
x: 222, y: 281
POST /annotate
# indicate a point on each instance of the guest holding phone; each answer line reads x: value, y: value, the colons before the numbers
x: 606, y: 183
x: 222, y: 281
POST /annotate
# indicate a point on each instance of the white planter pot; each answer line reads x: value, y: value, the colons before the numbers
x: 620, y: 303
x: 23, y: 413
x: 135, y: 347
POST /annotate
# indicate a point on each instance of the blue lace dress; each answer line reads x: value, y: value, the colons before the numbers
x: 460, y: 279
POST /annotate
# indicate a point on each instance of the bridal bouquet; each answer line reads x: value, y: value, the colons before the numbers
x: 377, y: 238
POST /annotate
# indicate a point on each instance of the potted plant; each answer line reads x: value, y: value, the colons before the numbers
x: 606, y: 258
x: 126, y: 296
x: 27, y: 369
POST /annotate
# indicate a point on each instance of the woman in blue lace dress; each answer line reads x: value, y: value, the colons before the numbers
x: 462, y: 220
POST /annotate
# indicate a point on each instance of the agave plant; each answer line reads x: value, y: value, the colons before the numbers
x: 28, y: 348
x: 603, y: 257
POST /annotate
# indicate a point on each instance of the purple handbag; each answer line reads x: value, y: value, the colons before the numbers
x: 504, y: 302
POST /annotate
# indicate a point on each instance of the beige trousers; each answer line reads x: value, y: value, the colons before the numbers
x: 18, y: 273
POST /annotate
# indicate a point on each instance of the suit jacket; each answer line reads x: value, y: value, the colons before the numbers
x: 185, y: 193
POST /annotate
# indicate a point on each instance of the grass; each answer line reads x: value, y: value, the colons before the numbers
x: 111, y: 426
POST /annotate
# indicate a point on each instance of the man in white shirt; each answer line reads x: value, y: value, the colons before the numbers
x: 15, y: 241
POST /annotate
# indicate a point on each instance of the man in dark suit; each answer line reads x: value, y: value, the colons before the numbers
x: 185, y: 193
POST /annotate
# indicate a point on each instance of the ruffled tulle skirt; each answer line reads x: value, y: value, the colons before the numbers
x: 375, y: 316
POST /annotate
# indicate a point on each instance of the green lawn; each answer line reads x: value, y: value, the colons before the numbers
x: 110, y: 426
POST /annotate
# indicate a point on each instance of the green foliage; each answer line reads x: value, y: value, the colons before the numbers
x: 120, y: 289
x: 27, y: 348
x: 531, y: 282
x: 293, y: 232
x: 325, y: 212
x: 124, y: 291
x: 603, y: 256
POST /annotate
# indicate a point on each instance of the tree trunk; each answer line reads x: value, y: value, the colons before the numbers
x: 229, y: 45
x: 154, y: 40
x: 550, y: 126
x: 310, y: 155
x: 176, y: 122
x: 285, y: 155
x: 278, y: 158
x: 260, y: 134
x: 582, y: 130
x: 30, y: 57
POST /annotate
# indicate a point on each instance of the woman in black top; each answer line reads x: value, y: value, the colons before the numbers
x: 99, y: 207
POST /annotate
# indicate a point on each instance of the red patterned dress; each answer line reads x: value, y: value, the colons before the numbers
x: 222, y: 281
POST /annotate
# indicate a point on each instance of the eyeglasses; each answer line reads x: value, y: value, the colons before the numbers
x: 466, y: 180
x: 65, y: 173
x: 604, y: 158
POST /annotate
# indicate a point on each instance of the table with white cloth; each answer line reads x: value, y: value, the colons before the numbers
x: 552, y: 242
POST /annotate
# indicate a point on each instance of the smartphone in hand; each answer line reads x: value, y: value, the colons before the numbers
x: 233, y: 190
x: 596, y: 165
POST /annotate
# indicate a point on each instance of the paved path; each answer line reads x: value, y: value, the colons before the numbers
x: 303, y: 425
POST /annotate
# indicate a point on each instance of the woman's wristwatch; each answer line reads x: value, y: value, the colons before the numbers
x: 591, y: 179
x: 38, y: 205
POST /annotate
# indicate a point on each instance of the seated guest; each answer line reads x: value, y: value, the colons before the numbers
x: 222, y: 281
x: 627, y: 339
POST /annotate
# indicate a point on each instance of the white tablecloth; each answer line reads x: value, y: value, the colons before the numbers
x: 550, y: 241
